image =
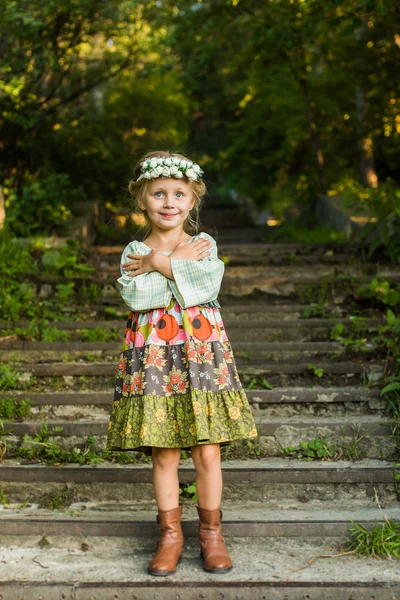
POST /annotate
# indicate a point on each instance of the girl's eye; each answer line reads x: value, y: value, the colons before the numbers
x: 161, y: 193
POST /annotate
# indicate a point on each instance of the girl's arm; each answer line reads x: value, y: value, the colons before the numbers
x: 197, y: 281
x: 145, y: 291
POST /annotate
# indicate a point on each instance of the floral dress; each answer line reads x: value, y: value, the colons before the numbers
x: 177, y: 383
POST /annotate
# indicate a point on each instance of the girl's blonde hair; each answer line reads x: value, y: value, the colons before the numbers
x: 138, y: 190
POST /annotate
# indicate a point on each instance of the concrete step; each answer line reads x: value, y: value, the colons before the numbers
x: 101, y: 568
x: 256, y: 248
x: 255, y: 316
x: 283, y: 402
x: 286, y: 395
x: 75, y: 369
x: 369, y: 435
x: 377, y: 425
x: 260, y: 255
x: 239, y: 520
x: 250, y: 350
x: 278, y: 483
x: 246, y: 280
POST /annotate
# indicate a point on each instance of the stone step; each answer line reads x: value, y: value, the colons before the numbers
x: 255, y: 351
x: 281, y: 403
x: 293, y: 330
x: 245, y: 281
x: 241, y: 520
x: 108, y: 368
x: 278, y: 483
x: 245, y: 256
x: 268, y: 425
x: 265, y: 567
x: 261, y: 397
x: 303, y: 248
x: 369, y: 435
x: 229, y: 314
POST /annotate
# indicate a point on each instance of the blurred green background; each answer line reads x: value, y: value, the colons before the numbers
x: 280, y: 101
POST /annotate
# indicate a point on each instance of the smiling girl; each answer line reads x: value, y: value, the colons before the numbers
x: 177, y: 385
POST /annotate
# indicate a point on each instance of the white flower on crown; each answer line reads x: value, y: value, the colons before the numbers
x: 168, y: 162
x: 191, y: 174
x: 153, y: 163
x: 183, y: 164
x: 179, y: 174
x: 160, y: 160
x: 166, y: 172
x: 147, y: 175
x: 173, y: 170
x: 159, y: 169
x: 176, y: 160
x: 196, y: 168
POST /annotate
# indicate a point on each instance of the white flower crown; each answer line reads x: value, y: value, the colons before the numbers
x: 159, y: 166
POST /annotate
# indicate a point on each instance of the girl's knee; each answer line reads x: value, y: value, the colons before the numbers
x: 206, y: 456
x: 166, y: 458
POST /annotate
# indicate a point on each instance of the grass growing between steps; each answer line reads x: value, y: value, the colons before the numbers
x: 330, y: 449
x: 40, y: 331
x: 382, y: 541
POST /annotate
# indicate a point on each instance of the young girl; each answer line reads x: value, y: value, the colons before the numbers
x: 177, y: 385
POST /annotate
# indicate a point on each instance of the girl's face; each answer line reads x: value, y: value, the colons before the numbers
x: 168, y: 202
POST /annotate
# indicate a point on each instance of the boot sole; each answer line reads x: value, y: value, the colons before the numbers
x: 215, y: 570
x: 163, y: 573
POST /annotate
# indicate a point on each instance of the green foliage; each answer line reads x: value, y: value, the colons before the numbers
x: 11, y: 379
x: 18, y: 296
x: 39, y: 205
x: 12, y: 408
x: 382, y: 540
x: 354, y: 341
x: 317, y: 449
x: 41, y: 447
x: 383, y: 292
x: 383, y: 202
x: 295, y: 232
x: 256, y: 383
x: 389, y: 339
x: 189, y: 491
x: 317, y: 371
x: 66, y: 261
x: 99, y: 334
x: 38, y: 330
x: 315, y: 311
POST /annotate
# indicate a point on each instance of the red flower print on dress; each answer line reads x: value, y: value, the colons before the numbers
x: 121, y: 366
x: 134, y: 384
x: 153, y: 357
x: 223, y: 377
x: 175, y: 382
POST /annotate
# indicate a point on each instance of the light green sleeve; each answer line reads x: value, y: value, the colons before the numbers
x: 197, y: 281
x: 145, y: 291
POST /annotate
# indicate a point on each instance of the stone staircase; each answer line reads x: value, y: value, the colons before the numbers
x: 279, y: 510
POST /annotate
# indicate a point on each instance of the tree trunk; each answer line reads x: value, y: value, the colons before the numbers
x: 366, y: 167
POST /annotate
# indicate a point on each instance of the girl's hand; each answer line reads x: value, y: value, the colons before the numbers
x: 139, y: 264
x: 195, y: 251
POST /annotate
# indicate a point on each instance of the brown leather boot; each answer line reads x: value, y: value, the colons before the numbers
x: 213, y: 550
x: 170, y: 544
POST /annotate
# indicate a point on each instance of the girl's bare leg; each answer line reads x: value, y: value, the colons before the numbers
x: 166, y: 491
x: 165, y: 477
x: 207, y: 460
